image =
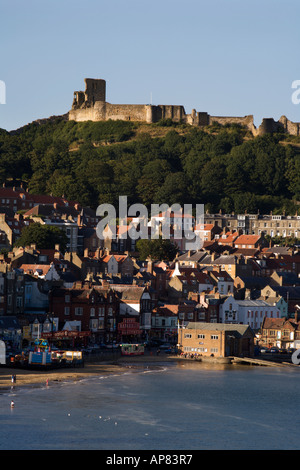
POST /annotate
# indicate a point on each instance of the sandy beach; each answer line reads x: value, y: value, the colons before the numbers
x: 35, y: 377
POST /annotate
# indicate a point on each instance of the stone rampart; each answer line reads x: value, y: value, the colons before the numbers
x: 91, y: 105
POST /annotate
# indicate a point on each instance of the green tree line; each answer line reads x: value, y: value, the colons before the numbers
x: 221, y: 167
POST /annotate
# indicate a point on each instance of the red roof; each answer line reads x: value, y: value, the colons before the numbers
x: 36, y: 198
x: 227, y: 237
x: 247, y: 240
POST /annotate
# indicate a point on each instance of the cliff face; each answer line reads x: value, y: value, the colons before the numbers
x: 91, y: 105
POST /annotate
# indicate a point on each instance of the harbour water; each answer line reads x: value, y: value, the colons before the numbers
x: 183, y: 405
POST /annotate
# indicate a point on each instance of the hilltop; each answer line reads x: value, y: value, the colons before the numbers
x: 222, y: 166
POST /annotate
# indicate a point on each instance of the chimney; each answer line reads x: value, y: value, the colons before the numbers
x: 149, y: 266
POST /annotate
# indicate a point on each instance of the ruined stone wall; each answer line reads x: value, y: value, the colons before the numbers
x: 267, y: 126
x: 90, y: 105
x: 126, y: 112
x: 101, y: 111
x: 80, y: 115
x: 246, y: 121
x: 290, y: 127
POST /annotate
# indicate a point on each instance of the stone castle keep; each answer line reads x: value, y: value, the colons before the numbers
x: 91, y: 105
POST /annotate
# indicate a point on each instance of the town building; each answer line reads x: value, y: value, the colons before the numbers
x: 247, y: 312
x: 216, y: 339
x: 96, y: 309
x: 280, y: 332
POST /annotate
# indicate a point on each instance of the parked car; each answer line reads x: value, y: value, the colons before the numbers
x: 282, y: 351
x: 263, y: 350
x: 172, y: 350
x: 274, y: 350
x: 165, y: 346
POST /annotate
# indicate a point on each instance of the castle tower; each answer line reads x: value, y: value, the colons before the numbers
x: 95, y: 90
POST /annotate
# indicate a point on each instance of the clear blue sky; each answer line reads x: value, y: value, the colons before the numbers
x: 225, y: 57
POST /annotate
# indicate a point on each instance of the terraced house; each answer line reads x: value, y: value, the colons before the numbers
x: 281, y: 332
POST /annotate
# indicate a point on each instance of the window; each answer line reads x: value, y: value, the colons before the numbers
x: 67, y: 310
x: 67, y: 298
x: 94, y: 324
x: 78, y: 310
x: 101, y: 312
x: 201, y: 336
x: 187, y: 335
x: 214, y: 337
x: 213, y: 350
x: 92, y: 312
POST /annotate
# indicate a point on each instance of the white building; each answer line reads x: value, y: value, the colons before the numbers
x: 247, y: 312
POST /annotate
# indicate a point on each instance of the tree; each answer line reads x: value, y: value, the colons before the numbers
x: 158, y: 249
x: 174, y: 190
x: 43, y: 236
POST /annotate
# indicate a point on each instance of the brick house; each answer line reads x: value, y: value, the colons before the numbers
x: 216, y: 339
x: 185, y: 280
x: 20, y: 199
x: 96, y: 308
x: 136, y: 303
x: 250, y: 241
x: 207, y: 232
x: 116, y: 263
x: 280, y: 332
x: 208, y: 306
x: 165, y: 319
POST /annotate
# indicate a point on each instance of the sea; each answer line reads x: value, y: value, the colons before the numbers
x: 180, y: 405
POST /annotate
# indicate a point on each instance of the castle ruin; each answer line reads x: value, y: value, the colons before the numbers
x: 91, y: 105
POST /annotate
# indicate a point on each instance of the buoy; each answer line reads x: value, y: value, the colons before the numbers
x: 12, y: 404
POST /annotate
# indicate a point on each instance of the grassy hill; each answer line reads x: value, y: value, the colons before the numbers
x: 223, y: 167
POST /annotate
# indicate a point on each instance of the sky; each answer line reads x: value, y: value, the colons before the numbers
x: 223, y: 57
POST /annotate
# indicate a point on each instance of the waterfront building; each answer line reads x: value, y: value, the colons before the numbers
x: 216, y: 339
x: 281, y: 332
x: 247, y: 312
